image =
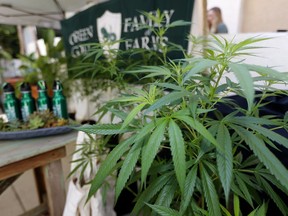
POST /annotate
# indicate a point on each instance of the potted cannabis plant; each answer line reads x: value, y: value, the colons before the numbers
x: 193, y: 148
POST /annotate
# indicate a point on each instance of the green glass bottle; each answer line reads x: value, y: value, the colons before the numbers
x: 27, y: 102
x: 43, y: 101
x: 11, y: 103
x: 59, y: 101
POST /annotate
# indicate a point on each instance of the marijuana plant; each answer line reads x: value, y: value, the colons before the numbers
x: 191, y: 146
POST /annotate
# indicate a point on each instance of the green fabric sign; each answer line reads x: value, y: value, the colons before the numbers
x: 117, y: 19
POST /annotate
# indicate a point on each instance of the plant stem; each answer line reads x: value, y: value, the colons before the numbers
x: 246, y: 171
x: 213, y: 90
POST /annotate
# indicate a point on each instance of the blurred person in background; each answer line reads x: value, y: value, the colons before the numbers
x: 215, y: 21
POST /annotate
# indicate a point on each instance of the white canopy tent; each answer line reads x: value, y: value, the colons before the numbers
x: 41, y: 13
x: 44, y: 13
x: 48, y: 13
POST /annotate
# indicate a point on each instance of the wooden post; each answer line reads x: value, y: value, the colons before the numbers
x: 55, y: 187
x: 205, y: 31
x: 204, y: 12
x: 40, y: 182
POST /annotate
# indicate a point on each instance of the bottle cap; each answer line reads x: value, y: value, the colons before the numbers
x: 57, y: 86
x: 25, y: 87
x: 8, y: 87
x: 41, y: 85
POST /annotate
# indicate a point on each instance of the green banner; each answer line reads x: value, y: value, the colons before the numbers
x: 117, y: 19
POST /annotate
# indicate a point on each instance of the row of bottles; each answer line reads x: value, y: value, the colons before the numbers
x: 16, y: 109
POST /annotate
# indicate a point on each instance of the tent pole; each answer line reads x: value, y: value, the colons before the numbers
x: 204, y: 12
x: 21, y: 39
x: 205, y: 31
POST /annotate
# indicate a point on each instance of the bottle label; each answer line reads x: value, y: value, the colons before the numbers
x: 59, y: 105
x: 25, y: 112
x: 11, y: 113
x: 57, y: 110
x: 43, y: 107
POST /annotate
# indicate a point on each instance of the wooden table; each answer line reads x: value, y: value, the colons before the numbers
x: 44, y: 156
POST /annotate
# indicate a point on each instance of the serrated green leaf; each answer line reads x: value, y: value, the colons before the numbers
x: 120, y: 114
x: 154, y: 171
x: 108, y: 164
x: 236, y: 189
x: 248, y: 180
x: 170, y: 86
x: 201, y: 129
x: 156, y: 74
x: 189, y: 188
x: 264, y: 154
x: 268, y: 72
x: 140, y: 92
x: 249, y: 120
x: 164, y: 211
x: 244, y: 189
x: 193, y: 105
x: 103, y: 129
x: 259, y: 211
x: 243, y: 45
x: 152, y: 147
x: 275, y: 197
x: 250, y: 161
x: 178, y: 23
x: 77, y: 167
x: 166, y: 195
x: 167, y: 99
x: 200, y: 66
x: 161, y: 70
x: 178, y: 153
x: 245, y: 81
x: 225, y: 211
x: 262, y: 210
x: 83, y: 168
x: 182, y: 112
x: 147, y: 129
x: 127, y: 99
x: 236, y: 204
x: 218, y: 42
x: 132, y: 115
x: 225, y: 159
x: 271, y: 178
x: 198, y: 210
x: 153, y: 188
x: 210, y: 194
x: 267, y: 133
x: 127, y: 167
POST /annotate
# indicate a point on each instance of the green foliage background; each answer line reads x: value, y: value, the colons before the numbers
x: 9, y: 39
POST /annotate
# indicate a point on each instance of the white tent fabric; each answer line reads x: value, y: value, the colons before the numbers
x: 48, y: 13
x: 77, y: 193
x: 44, y: 13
